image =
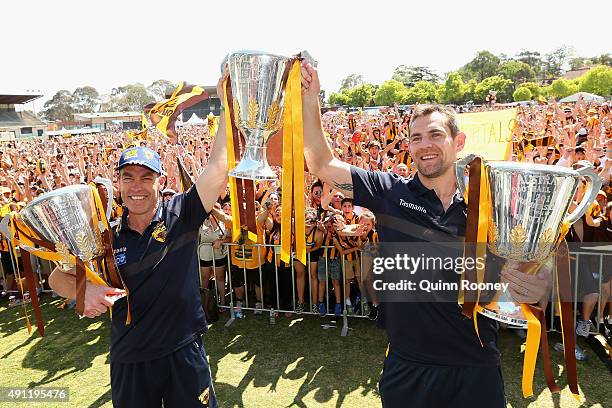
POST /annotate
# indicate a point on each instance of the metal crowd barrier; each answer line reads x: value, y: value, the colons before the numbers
x: 247, y: 305
x: 250, y: 306
x: 262, y: 252
x: 36, y: 265
x: 577, y: 282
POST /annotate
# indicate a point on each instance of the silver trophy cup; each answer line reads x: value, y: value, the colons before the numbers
x: 64, y: 217
x: 529, y: 204
x: 258, y: 84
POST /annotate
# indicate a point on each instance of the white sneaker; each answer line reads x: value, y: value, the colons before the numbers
x: 609, y: 319
x: 258, y: 308
x: 582, y: 328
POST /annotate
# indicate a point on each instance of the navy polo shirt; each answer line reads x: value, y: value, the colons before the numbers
x: 423, y: 333
x: 160, y: 269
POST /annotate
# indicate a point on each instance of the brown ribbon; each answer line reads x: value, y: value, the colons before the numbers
x: 564, y: 282
x: 249, y: 190
x: 114, y: 278
x: 40, y: 243
x: 246, y: 189
x: 81, y: 285
x: 471, y: 234
x: 112, y: 275
x: 29, y: 275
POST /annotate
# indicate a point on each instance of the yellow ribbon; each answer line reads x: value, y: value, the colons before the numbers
x: 293, y: 168
x: 531, y: 350
x: 231, y: 163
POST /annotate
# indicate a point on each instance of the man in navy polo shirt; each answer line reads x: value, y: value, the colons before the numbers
x: 434, y: 358
x: 159, y: 356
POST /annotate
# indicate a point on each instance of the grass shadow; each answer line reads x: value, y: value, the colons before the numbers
x: 69, y: 346
x: 321, y: 361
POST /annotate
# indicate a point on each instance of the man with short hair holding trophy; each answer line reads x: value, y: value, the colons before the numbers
x: 157, y: 354
x: 444, y: 354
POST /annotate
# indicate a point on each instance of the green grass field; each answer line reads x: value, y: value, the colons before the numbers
x: 294, y: 363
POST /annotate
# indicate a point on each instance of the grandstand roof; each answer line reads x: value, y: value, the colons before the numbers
x: 17, y: 99
x: 9, y: 118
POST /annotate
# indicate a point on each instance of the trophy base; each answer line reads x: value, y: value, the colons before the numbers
x: 254, y: 165
x: 509, y: 313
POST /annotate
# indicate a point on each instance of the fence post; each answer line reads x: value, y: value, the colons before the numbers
x: 246, y: 286
x: 276, y: 277
x: 345, y: 326
x: 343, y: 288
x: 599, y: 306
x: 272, y: 317
x: 231, y: 289
x: 307, y: 272
x: 5, y: 287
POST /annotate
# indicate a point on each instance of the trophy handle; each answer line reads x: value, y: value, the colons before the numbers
x: 460, y: 166
x: 589, y: 195
x: 108, y: 186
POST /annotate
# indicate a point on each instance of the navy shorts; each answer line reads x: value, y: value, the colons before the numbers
x: 181, y: 380
x: 404, y: 384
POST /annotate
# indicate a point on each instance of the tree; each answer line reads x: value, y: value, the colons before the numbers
x: 494, y: 83
x: 389, y: 92
x: 361, y: 95
x: 517, y: 71
x: 557, y: 62
x: 351, y: 81
x: 597, y: 80
x: 603, y: 59
x: 410, y: 75
x: 521, y: 94
x: 422, y: 92
x: 59, y: 107
x: 470, y: 90
x: 531, y: 58
x: 131, y: 97
x: 483, y: 66
x: 160, y: 88
x: 338, y: 98
x: 85, y: 99
x: 533, y: 87
x: 453, y: 89
x: 578, y: 62
x: 561, y: 87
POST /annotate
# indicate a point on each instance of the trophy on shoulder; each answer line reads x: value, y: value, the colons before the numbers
x: 520, y: 213
x: 70, y: 226
x: 262, y: 97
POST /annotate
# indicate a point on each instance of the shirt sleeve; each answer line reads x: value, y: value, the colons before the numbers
x: 370, y: 188
x: 189, y: 206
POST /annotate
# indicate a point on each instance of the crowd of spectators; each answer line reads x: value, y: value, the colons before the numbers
x: 336, y: 231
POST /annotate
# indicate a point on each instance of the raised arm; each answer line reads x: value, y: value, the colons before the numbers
x: 319, y: 157
x: 214, y: 177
